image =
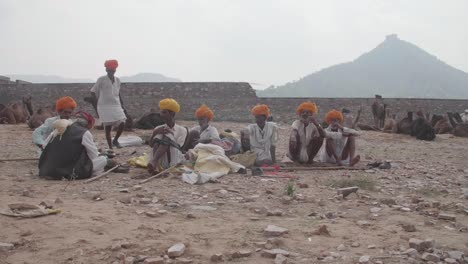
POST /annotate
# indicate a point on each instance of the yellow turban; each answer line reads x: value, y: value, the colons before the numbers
x: 169, y: 104
x: 204, y: 111
x: 261, y: 110
x: 64, y: 103
x: 312, y: 107
x: 334, y: 114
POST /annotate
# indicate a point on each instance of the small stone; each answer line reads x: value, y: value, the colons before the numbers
x: 137, y: 187
x: 125, y: 244
x: 411, y: 252
x: 322, y: 202
x: 375, y: 210
x: 275, y: 213
x: 405, y: 209
x: 184, y: 261
x: 46, y: 204
x: 341, y: 247
x: 280, y: 259
x: 363, y: 223
x: 145, y: 201
x: 216, y: 258
x: 203, y: 208
x: 371, y: 246
x: 286, y: 199
x: 303, y: 185
x: 176, y: 250
x: 448, y: 217
x: 364, y: 259
x: 129, y: 260
x: 388, y: 201
x: 162, y: 212
x: 430, y: 257
x: 123, y: 190
x: 190, y: 216
x: 26, y: 233
x: 429, y: 223
x: 124, y: 200
x: 151, y: 214
x: 173, y: 205
x: 116, y: 246
x: 273, y: 252
x: 450, y: 261
x: 241, y: 254
x: 457, y: 255
x: 157, y: 260
x: 355, y: 244
x: 347, y: 191
x: 409, y: 227
x: 6, y: 246
x: 421, y: 245
x: 273, y: 231
x: 58, y: 201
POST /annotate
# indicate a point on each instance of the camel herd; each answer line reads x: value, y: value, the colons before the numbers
x: 422, y: 126
x: 22, y: 112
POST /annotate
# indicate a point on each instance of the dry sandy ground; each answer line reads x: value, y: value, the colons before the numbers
x: 426, y: 177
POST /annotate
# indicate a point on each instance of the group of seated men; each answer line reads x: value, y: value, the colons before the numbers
x: 68, y: 149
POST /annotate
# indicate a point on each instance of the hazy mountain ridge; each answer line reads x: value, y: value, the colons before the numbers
x: 139, y: 77
x: 395, y: 68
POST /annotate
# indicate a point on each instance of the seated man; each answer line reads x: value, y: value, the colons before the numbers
x: 65, y: 107
x: 70, y: 152
x: 169, y: 140
x: 262, y: 136
x: 340, y: 146
x: 306, y: 135
x: 465, y: 116
x: 204, y: 132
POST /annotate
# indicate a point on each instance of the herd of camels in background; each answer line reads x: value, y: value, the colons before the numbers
x: 420, y: 125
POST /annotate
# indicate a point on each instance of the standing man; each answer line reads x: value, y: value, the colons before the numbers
x: 110, y: 109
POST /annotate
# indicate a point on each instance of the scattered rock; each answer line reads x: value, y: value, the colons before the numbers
x: 421, y: 245
x: 341, y: 247
x: 457, y: 255
x: 375, y: 210
x: 203, y: 208
x: 46, y: 204
x: 176, y: 250
x: 355, y: 244
x: 125, y: 200
x: 58, y: 201
x: 430, y: 257
x: 273, y: 231
x: 137, y: 187
x: 364, y: 259
x: 450, y: 261
x: 303, y: 185
x: 388, y: 201
x: 280, y: 259
x: 145, y: 201
x: 405, y: 209
x: 371, y: 246
x: 448, y: 217
x: 409, y: 227
x: 347, y: 191
x: 190, y: 216
x: 184, y: 261
x: 6, y: 246
x: 151, y: 214
x: 286, y: 199
x: 156, y: 260
x: 129, y: 260
x: 273, y: 252
x: 217, y: 258
x: 123, y: 190
x: 275, y: 213
x: 322, y: 231
x: 411, y: 252
x: 241, y: 254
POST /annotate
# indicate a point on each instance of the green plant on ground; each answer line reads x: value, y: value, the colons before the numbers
x: 290, y: 189
x: 362, y: 182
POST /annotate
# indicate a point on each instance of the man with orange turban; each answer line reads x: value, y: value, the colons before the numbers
x: 261, y: 136
x: 168, y: 141
x: 64, y: 107
x: 204, y: 132
x: 340, y: 146
x: 306, y: 136
x: 106, y: 92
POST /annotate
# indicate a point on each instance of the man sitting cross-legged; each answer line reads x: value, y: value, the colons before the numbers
x: 306, y: 135
x: 169, y: 140
x: 340, y: 146
x: 262, y: 136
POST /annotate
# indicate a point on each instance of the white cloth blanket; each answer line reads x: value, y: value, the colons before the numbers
x: 211, y: 163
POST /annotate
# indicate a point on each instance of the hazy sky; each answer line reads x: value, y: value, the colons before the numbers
x: 259, y: 41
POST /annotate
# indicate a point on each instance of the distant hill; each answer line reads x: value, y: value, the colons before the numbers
x: 47, y: 79
x: 140, y: 77
x: 148, y: 77
x: 395, y: 68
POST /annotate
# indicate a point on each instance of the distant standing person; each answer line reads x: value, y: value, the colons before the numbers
x: 110, y: 109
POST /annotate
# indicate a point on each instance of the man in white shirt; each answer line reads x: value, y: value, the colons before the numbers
x: 306, y: 136
x: 340, y: 146
x: 169, y: 140
x: 263, y: 136
x: 110, y: 109
x: 464, y: 116
x: 204, y: 132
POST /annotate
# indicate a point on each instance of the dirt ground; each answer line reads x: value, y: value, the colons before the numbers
x: 99, y: 223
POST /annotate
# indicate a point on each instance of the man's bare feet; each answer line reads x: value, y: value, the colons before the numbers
x: 355, y: 160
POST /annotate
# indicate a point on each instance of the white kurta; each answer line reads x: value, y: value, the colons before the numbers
x: 99, y: 162
x: 306, y: 134
x: 178, y: 135
x: 464, y: 117
x: 261, y: 140
x: 108, y: 105
x: 210, y: 133
x: 340, y: 142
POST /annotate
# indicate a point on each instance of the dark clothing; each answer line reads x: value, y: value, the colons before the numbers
x: 66, y: 157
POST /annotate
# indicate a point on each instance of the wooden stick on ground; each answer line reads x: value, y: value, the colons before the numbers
x: 158, y: 175
x: 320, y: 168
x: 102, y: 174
x: 19, y: 159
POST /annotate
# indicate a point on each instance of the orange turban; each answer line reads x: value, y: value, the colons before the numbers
x: 64, y: 103
x: 111, y: 64
x: 261, y: 110
x: 312, y: 107
x: 204, y: 111
x: 334, y: 114
x: 169, y: 104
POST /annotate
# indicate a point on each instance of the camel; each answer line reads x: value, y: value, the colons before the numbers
x: 421, y: 128
x: 391, y: 124
x: 404, y: 125
x: 441, y: 124
x: 149, y: 120
x: 460, y: 127
x: 22, y: 110
x: 38, y: 118
x: 7, y: 116
x: 378, y: 111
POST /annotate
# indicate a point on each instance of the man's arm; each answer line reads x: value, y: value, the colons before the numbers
x: 319, y: 127
x: 88, y: 142
x: 42, y: 132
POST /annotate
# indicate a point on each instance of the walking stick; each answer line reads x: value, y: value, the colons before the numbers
x: 102, y: 174
x: 159, y: 174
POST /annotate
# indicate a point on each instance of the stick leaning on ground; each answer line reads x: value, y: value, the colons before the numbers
x: 19, y: 159
x: 159, y: 174
x: 102, y: 174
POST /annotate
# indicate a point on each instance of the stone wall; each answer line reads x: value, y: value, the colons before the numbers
x: 231, y: 101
